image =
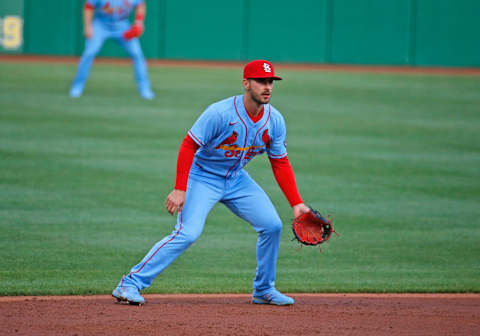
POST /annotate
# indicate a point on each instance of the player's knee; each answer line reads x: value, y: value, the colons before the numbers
x: 136, y: 57
x: 277, y: 226
x: 189, y: 237
x: 273, y: 226
x: 90, y: 53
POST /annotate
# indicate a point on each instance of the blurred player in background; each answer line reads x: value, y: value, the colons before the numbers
x: 104, y: 19
x: 226, y: 136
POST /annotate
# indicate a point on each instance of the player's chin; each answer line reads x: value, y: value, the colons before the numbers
x: 265, y: 98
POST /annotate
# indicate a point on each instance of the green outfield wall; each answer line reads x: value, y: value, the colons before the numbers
x: 393, y: 32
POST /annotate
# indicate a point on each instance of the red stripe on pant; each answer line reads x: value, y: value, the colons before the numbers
x: 168, y: 241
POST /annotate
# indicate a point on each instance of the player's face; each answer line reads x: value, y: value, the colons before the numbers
x: 259, y: 89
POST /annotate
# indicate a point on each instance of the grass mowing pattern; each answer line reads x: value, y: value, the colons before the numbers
x: 394, y: 158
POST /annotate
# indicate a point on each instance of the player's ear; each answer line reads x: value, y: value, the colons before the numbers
x: 246, y: 84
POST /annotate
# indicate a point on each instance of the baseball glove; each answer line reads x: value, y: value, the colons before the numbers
x: 311, y: 228
x: 135, y: 31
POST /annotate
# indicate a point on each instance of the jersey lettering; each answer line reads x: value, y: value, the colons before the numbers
x: 233, y: 150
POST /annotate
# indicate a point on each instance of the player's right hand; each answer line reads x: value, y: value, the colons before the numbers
x: 88, y: 31
x: 175, y: 201
x: 300, y: 209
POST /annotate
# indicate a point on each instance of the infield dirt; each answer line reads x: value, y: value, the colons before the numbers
x: 233, y: 314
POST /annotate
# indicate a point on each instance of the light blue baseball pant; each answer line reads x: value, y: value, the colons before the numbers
x: 93, y: 45
x: 245, y: 198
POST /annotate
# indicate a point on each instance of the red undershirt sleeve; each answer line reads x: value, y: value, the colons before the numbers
x: 283, y: 172
x: 184, y: 162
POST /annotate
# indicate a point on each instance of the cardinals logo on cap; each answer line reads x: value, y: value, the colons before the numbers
x: 259, y: 69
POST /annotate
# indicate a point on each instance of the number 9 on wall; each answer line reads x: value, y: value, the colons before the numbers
x: 11, y: 35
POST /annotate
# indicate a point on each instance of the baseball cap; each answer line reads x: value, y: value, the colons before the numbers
x: 259, y: 69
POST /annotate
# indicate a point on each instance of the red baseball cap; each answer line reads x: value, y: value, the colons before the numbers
x: 259, y: 69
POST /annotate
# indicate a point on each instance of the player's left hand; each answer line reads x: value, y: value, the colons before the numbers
x: 300, y: 209
x: 141, y: 25
x: 175, y: 201
x: 135, y: 30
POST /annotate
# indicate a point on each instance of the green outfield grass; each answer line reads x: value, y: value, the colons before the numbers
x: 394, y: 158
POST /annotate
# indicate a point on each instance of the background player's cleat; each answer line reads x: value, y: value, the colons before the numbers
x: 128, y: 294
x: 76, y: 92
x: 147, y: 94
x: 274, y: 297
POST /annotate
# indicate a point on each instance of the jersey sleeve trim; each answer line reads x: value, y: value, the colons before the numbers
x: 277, y: 156
x: 197, y: 140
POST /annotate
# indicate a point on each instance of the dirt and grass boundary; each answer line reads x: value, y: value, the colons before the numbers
x: 457, y: 71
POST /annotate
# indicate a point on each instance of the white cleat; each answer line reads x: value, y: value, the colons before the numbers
x: 128, y: 294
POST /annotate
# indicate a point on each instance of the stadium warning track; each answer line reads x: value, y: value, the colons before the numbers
x: 233, y: 314
x: 458, y: 71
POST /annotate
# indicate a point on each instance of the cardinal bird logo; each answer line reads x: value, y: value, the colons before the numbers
x: 107, y: 9
x: 266, y: 138
x: 230, y: 140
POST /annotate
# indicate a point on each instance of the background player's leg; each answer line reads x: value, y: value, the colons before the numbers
x: 92, y: 47
x: 247, y: 200
x: 200, y: 199
x: 134, y: 50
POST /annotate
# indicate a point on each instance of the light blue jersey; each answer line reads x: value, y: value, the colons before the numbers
x: 229, y: 139
x: 113, y: 13
x: 111, y: 22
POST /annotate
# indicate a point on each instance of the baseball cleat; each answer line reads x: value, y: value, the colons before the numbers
x: 128, y: 294
x: 147, y: 94
x: 76, y: 92
x: 274, y: 298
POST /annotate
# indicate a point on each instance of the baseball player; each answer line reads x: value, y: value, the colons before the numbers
x: 104, y: 19
x: 226, y: 136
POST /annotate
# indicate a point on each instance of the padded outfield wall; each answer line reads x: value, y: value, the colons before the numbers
x: 393, y: 32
